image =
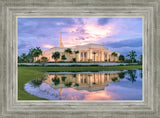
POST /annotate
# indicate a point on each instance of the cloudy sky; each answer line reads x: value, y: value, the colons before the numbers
x: 117, y: 34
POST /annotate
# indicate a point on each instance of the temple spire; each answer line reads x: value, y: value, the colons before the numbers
x: 60, y: 93
x: 61, y: 43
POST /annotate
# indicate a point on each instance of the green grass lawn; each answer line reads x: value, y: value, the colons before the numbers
x: 26, y: 74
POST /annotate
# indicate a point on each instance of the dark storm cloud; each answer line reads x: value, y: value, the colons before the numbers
x: 34, y: 25
x: 126, y: 43
x: 103, y: 21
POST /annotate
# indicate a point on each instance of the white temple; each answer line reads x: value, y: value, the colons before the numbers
x: 87, y: 53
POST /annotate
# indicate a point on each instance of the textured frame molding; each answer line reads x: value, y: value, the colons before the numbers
x: 149, y: 10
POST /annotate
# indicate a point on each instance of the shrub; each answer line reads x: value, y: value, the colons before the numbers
x: 76, y: 84
x: 74, y: 59
x: 68, y: 84
x: 37, y: 82
x: 74, y: 75
x: 56, y: 80
x: 114, y: 79
x: 63, y: 57
x: 94, y: 83
x: 121, y: 75
x: 89, y: 60
x: 64, y: 78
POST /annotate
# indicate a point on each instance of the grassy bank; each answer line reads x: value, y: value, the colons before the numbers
x: 83, y: 68
x: 26, y: 74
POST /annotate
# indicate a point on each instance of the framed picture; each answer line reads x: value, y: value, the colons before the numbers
x: 80, y: 59
x: 88, y: 71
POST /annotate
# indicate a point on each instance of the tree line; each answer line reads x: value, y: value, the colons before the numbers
x: 29, y: 58
x: 34, y: 54
x: 131, y: 58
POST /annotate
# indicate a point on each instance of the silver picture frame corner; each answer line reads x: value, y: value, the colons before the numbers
x: 10, y: 10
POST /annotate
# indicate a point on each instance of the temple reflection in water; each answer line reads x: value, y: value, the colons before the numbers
x: 89, y: 82
x: 103, y: 85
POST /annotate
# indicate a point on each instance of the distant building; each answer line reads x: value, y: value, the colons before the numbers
x: 87, y: 53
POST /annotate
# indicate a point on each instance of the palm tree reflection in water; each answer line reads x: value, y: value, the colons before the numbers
x: 132, y: 75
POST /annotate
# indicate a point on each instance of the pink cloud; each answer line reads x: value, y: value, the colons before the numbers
x: 89, y: 32
x: 47, y: 46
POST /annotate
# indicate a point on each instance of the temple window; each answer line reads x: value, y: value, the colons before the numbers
x: 81, y: 80
x: 81, y: 54
x: 85, y: 54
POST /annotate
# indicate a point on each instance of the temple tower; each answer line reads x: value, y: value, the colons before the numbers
x: 61, y: 43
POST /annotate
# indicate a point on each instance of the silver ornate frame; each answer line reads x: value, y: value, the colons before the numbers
x: 149, y: 10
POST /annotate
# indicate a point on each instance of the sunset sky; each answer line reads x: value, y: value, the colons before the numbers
x: 117, y: 34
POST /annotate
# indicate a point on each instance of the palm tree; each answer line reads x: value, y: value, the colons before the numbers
x: 132, y: 75
x: 31, y: 53
x: 69, y: 51
x: 121, y: 58
x: 24, y: 57
x: 30, y: 58
x: 76, y: 52
x: 94, y: 56
x: 132, y: 55
x: 35, y: 52
x: 20, y: 60
x: 44, y: 60
x: 114, y: 54
x: 56, y: 56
